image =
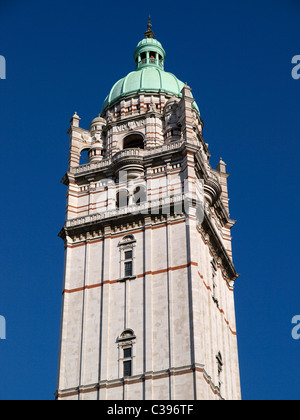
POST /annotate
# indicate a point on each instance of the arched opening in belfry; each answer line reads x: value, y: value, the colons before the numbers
x: 122, y: 199
x: 84, y: 157
x: 133, y: 141
x: 143, y: 57
x: 140, y: 194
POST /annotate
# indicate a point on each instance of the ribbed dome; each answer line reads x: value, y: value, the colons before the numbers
x: 151, y: 41
x: 147, y: 79
x: 149, y: 75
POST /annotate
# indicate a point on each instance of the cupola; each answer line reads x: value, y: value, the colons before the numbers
x: 149, y: 52
x: 149, y: 75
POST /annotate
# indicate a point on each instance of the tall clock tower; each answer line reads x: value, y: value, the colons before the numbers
x: 148, y: 292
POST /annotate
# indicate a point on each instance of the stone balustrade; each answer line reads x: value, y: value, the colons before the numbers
x: 105, y: 163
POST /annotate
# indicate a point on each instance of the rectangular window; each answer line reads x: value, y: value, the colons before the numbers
x: 128, y: 255
x: 127, y: 353
x: 128, y: 269
x: 127, y: 368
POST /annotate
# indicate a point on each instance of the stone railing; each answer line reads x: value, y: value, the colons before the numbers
x: 144, y: 208
x: 91, y: 166
x: 164, y: 148
x: 105, y: 163
x: 127, y: 153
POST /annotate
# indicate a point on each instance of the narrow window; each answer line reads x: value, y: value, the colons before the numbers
x: 214, y: 279
x: 128, y: 269
x: 127, y: 258
x: 128, y: 264
x: 128, y: 368
x: 220, y: 368
x: 126, y: 344
x: 127, y: 353
x: 143, y: 57
x: 128, y: 255
x: 127, y: 361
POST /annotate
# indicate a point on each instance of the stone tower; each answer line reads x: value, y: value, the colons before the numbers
x: 148, y: 303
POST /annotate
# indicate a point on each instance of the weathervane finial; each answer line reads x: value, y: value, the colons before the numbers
x: 149, y: 33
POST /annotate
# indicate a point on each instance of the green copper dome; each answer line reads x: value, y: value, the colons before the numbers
x: 149, y: 75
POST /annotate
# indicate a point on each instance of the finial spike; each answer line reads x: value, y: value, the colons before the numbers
x: 149, y: 33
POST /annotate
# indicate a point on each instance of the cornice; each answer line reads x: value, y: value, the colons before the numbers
x: 132, y: 213
x: 218, y: 248
x: 133, y: 380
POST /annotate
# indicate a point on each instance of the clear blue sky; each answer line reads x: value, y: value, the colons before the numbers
x: 64, y: 56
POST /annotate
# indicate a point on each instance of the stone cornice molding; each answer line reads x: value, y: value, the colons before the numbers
x: 173, y: 371
x: 217, y: 248
x: 133, y: 211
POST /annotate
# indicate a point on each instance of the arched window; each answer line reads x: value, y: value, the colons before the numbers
x: 140, y: 194
x: 84, y: 157
x: 127, y: 258
x: 143, y: 57
x: 127, y: 239
x: 133, y: 141
x: 127, y: 334
x: 126, y: 352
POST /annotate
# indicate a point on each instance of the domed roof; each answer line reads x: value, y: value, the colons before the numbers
x: 98, y: 119
x: 147, y: 79
x: 147, y: 41
x: 149, y: 75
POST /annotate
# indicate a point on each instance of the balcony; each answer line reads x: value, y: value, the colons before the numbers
x: 150, y: 61
x: 137, y: 155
